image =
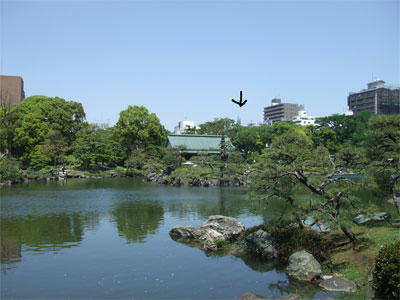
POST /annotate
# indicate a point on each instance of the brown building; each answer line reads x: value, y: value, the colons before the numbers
x: 279, y: 111
x: 11, y: 90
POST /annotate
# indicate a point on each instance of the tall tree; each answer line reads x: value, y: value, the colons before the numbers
x: 139, y: 129
x: 36, y: 116
x: 383, y: 149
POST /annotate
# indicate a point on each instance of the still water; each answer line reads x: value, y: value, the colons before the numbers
x: 108, y: 238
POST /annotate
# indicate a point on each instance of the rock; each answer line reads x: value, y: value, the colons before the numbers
x: 261, y: 242
x: 288, y: 297
x: 215, y: 228
x: 206, y: 183
x: 303, y: 266
x: 215, y: 182
x: 196, y: 182
x: 360, y: 219
x: 381, y: 216
x: 326, y: 276
x: 336, y: 284
x: 250, y: 296
x: 235, y: 182
x: 310, y: 222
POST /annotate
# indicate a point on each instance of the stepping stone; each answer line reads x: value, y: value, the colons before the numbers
x: 336, y: 284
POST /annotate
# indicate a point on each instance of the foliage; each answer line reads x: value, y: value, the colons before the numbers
x: 386, y: 276
x: 9, y: 169
x: 219, y: 126
x: 293, y: 161
x: 94, y: 147
x: 293, y: 239
x: 383, y: 149
x: 172, y: 157
x: 139, y: 129
x: 347, y: 129
x: 252, y: 139
x: 33, y: 119
x: 136, y: 160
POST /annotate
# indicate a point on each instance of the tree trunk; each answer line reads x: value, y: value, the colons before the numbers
x: 349, y: 234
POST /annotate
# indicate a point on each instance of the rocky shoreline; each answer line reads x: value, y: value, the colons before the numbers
x: 218, y: 232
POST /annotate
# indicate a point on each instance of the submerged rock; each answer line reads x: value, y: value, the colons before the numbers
x: 288, y: 297
x: 303, y: 266
x: 214, y: 229
x: 251, y: 296
x: 261, y: 242
x: 336, y: 284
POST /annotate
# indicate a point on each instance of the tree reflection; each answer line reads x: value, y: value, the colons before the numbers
x: 291, y: 286
x: 135, y: 220
x: 40, y: 233
x: 204, y: 202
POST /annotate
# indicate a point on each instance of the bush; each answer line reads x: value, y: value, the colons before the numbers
x: 386, y: 276
x: 292, y: 239
x: 9, y: 169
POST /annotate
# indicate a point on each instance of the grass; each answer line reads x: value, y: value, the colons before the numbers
x: 356, y: 262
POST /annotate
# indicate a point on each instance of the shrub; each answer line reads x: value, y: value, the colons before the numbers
x: 386, y: 276
x: 9, y: 169
x: 292, y: 239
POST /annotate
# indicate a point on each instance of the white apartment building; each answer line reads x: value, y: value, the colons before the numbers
x: 303, y: 120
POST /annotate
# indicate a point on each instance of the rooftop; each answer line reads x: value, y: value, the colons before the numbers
x: 195, y: 143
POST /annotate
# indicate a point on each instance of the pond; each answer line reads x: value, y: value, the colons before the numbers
x: 108, y: 238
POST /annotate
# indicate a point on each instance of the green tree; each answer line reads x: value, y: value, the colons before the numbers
x: 348, y: 129
x: 36, y: 116
x: 219, y: 126
x: 139, y: 129
x: 292, y: 162
x: 383, y: 149
x: 93, y: 147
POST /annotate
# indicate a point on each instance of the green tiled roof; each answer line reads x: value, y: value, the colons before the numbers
x: 195, y: 143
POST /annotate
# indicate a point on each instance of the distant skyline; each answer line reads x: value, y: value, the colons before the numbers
x: 188, y: 59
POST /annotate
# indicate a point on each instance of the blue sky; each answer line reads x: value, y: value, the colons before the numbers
x: 188, y: 59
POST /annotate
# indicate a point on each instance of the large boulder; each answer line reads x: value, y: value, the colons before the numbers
x: 261, y: 242
x: 215, y: 228
x: 336, y: 284
x: 303, y: 266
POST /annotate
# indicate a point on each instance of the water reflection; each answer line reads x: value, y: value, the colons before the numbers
x: 40, y: 233
x: 135, y: 220
x: 291, y: 286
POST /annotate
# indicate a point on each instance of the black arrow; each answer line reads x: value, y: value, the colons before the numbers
x: 240, y: 103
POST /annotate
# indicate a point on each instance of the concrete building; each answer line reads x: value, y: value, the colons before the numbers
x: 253, y: 124
x: 11, y: 90
x: 303, y: 119
x: 279, y: 111
x: 182, y: 125
x: 377, y: 98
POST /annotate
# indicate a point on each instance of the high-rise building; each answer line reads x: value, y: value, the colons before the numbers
x: 183, y: 125
x: 377, y: 98
x: 279, y: 111
x: 11, y: 90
